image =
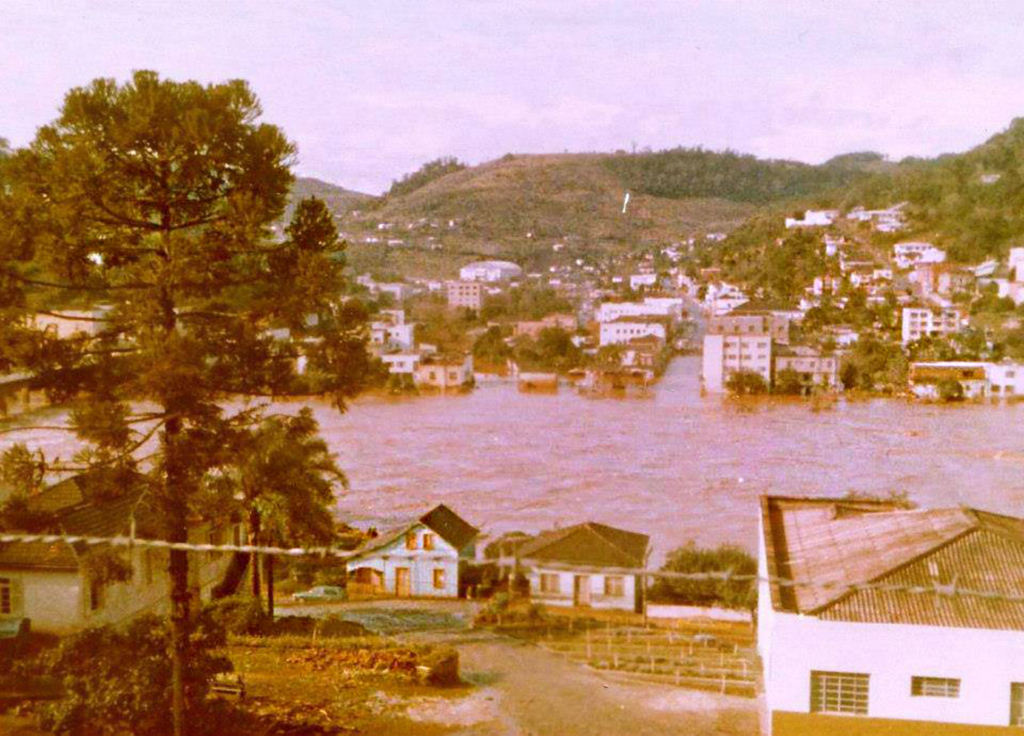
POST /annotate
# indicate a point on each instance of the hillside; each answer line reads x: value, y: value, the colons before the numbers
x: 518, y: 206
x: 338, y: 199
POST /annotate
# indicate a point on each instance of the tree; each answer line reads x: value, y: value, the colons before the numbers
x: 746, y: 383
x: 283, y: 477
x: 788, y: 383
x: 148, y: 204
x: 691, y: 559
x: 950, y: 390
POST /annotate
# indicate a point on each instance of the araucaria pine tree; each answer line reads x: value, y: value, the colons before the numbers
x: 146, y: 210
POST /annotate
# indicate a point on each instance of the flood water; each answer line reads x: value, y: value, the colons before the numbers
x: 675, y: 465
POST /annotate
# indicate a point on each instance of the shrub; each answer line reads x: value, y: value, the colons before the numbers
x: 691, y: 559
x: 118, y: 681
x: 746, y: 383
x: 240, y: 616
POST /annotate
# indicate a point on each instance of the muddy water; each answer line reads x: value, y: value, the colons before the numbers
x: 676, y: 466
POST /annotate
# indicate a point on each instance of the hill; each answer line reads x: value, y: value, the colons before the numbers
x: 338, y: 199
x: 519, y: 206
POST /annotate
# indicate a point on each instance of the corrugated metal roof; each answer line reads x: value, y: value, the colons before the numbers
x: 834, y: 543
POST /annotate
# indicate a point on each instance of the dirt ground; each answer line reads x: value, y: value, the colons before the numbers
x: 517, y: 689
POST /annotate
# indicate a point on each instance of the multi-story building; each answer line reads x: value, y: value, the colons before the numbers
x: 746, y: 320
x: 670, y: 307
x: 813, y: 367
x: 850, y: 640
x: 625, y: 329
x: 490, y: 271
x: 466, y: 294
x: 921, y: 322
x: 725, y: 354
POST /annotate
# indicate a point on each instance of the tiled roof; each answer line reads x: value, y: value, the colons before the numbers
x: 842, y: 542
x: 446, y: 523
x: 589, y: 544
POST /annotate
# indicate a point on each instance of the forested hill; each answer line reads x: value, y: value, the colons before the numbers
x: 971, y: 203
x: 338, y: 199
x: 695, y: 172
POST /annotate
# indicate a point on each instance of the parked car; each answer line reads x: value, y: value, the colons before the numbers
x: 321, y: 594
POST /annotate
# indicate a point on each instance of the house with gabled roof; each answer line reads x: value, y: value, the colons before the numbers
x: 418, y: 558
x: 854, y: 638
x: 62, y: 587
x: 589, y: 565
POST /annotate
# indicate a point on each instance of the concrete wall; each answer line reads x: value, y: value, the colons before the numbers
x: 815, y: 724
x: 564, y: 596
x: 664, y: 610
x: 985, y: 661
x: 421, y: 563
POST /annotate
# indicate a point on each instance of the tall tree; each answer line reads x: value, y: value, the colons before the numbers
x: 148, y: 205
x: 283, y: 477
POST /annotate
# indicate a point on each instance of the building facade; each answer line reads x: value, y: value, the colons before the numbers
x: 918, y: 322
x: 885, y: 660
x: 465, y: 295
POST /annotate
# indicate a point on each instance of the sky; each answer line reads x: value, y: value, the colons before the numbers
x: 372, y: 89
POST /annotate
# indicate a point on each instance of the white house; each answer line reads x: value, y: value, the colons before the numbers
x: 638, y: 280
x: 625, y: 329
x: 813, y: 218
x: 1006, y: 379
x: 910, y: 254
x: 444, y: 372
x: 419, y: 558
x: 402, y: 363
x: 842, y: 660
x: 385, y: 333
x: 671, y: 307
x: 586, y: 565
x: 59, y: 589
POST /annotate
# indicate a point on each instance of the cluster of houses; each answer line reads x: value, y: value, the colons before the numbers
x: 847, y: 639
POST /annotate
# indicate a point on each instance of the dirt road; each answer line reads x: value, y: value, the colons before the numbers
x: 525, y: 691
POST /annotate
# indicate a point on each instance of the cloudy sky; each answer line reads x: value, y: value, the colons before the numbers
x: 370, y: 89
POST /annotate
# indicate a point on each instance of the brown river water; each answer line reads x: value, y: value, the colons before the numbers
x: 675, y: 465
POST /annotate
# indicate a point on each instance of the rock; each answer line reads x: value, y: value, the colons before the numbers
x: 440, y: 668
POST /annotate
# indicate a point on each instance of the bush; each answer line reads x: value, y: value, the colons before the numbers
x: 950, y: 390
x: 118, y: 681
x: 746, y: 383
x: 691, y: 559
x: 788, y: 383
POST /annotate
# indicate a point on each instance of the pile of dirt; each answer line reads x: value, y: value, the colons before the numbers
x: 392, y: 661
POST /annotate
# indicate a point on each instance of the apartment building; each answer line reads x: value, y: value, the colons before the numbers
x: 466, y: 294
x: 921, y: 322
x: 625, y: 329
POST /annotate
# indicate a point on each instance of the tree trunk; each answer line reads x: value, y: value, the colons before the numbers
x: 254, y: 536
x: 176, y: 517
x: 270, y: 586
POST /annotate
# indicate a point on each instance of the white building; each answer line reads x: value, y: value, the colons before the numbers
x: 886, y: 661
x: 465, y: 294
x: 813, y: 218
x: 887, y: 221
x: 670, y: 307
x: 722, y: 298
x: 926, y: 378
x: 1016, y: 264
x: 1006, y: 379
x: 387, y: 334
x: 583, y: 566
x: 907, y: 255
x: 490, y: 271
x: 726, y: 354
x: 444, y: 372
x: 401, y: 363
x: 60, y: 592
x: 624, y: 329
x: 638, y: 280
x: 921, y: 322
x: 419, y: 558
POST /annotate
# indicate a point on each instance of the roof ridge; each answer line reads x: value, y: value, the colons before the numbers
x: 609, y: 542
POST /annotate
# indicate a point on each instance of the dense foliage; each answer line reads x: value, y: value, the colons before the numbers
x: 427, y: 173
x: 694, y: 172
x: 692, y: 559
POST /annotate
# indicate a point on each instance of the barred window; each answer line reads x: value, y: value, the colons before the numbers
x: 839, y: 692
x: 935, y: 687
x: 1017, y: 703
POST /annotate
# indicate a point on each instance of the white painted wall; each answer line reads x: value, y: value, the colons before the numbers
x: 619, y: 333
x: 421, y: 563
x: 985, y: 661
x: 564, y: 597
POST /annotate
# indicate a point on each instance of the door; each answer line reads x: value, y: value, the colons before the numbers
x: 402, y: 582
x: 581, y: 590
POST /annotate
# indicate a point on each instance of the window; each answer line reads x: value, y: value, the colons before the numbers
x: 549, y: 583
x: 1017, y: 703
x: 410, y: 540
x: 95, y: 595
x: 6, y: 596
x: 439, y: 578
x: 935, y: 687
x: 614, y: 586
x: 839, y: 692
x: 428, y: 541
